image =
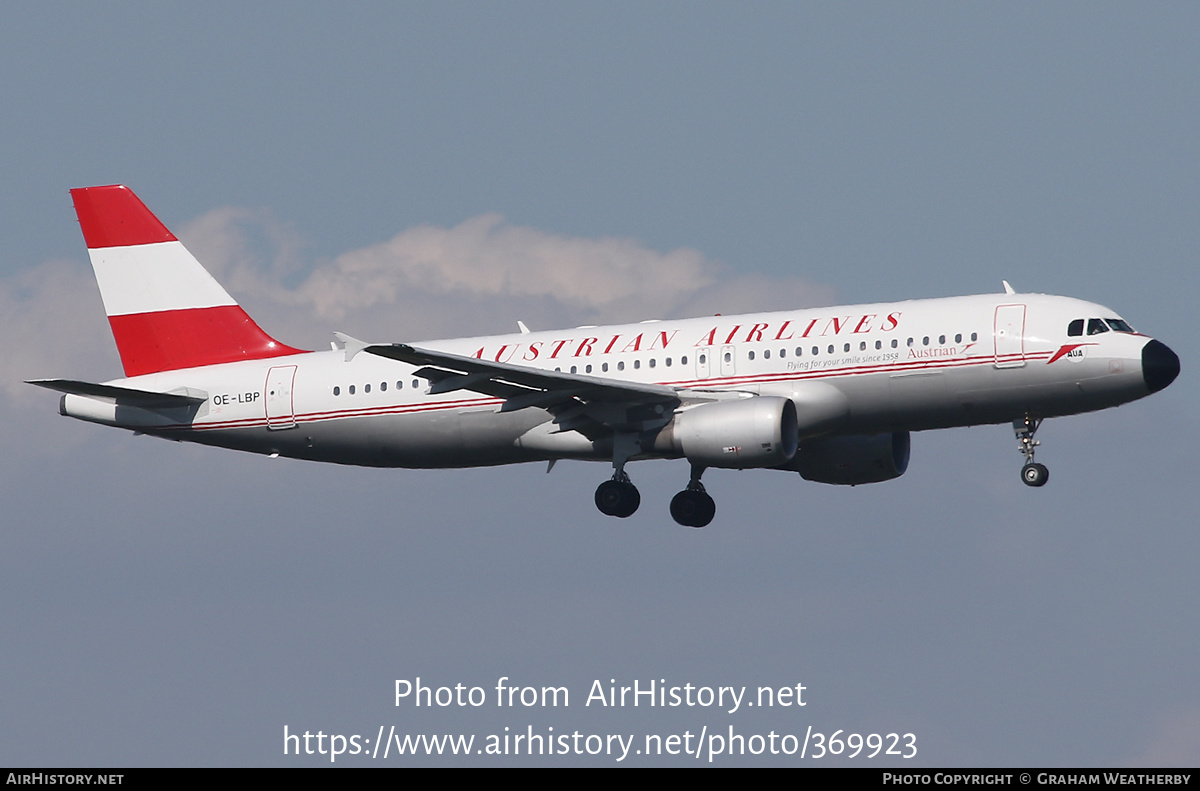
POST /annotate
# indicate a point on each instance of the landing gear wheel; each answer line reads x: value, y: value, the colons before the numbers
x: 617, y: 498
x: 692, y: 508
x: 1035, y: 474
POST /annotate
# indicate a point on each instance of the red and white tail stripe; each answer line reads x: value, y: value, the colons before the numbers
x: 166, y: 311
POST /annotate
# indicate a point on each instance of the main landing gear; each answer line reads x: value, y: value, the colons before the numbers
x: 1032, y: 474
x: 618, y: 497
x: 693, y: 507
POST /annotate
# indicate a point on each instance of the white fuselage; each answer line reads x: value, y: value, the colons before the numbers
x: 861, y: 369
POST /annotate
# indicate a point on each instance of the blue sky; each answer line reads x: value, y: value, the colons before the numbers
x: 180, y: 605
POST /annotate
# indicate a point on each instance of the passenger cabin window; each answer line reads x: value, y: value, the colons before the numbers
x: 1096, y: 326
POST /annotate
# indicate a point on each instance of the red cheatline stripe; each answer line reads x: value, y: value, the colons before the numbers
x: 460, y: 403
x: 113, y: 216
x: 321, y: 417
x: 172, y: 339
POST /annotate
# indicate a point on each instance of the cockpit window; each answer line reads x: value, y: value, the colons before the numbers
x: 1096, y: 326
x: 1075, y: 328
x: 1119, y: 325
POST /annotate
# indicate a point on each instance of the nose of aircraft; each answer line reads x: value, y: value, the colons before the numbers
x: 1160, y: 366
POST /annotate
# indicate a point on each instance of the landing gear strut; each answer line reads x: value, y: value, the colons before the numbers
x: 1032, y: 474
x: 693, y: 507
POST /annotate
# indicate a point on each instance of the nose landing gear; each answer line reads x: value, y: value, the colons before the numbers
x: 1032, y: 474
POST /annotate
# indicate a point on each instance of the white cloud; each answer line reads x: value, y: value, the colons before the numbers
x: 477, y: 277
x: 484, y: 257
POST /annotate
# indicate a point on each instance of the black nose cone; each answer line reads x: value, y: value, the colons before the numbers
x: 1160, y: 366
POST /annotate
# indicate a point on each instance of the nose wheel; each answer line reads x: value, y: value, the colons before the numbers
x: 1032, y: 474
x: 1035, y: 474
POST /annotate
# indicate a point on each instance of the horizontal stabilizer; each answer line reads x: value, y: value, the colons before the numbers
x: 145, y: 399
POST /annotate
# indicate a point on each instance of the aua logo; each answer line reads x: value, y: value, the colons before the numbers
x: 1075, y: 352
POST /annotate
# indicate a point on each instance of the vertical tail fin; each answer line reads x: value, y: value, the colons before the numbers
x: 166, y: 311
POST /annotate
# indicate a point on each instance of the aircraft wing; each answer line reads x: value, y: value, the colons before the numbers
x: 587, y: 404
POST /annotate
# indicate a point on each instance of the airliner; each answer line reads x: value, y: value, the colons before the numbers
x: 830, y: 393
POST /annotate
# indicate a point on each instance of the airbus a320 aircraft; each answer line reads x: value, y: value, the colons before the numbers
x: 830, y: 393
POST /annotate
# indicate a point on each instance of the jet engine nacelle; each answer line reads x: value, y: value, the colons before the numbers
x: 750, y: 432
x: 849, y: 461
